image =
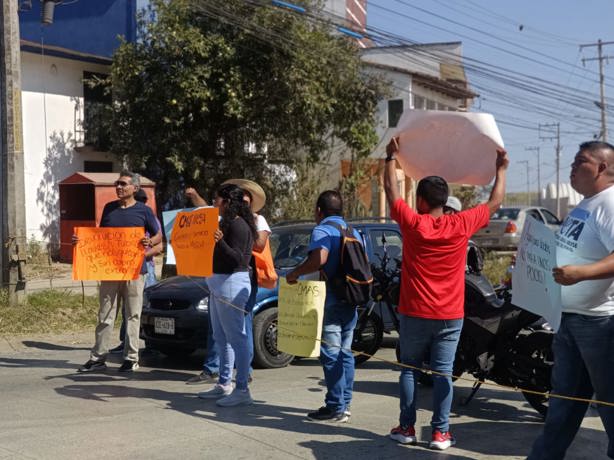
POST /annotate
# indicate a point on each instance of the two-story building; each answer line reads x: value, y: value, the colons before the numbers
x: 60, y: 109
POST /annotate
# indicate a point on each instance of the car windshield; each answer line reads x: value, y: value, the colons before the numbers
x: 506, y: 213
x: 289, y: 246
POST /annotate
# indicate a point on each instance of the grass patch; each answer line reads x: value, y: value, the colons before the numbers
x: 50, y: 311
x: 495, y: 266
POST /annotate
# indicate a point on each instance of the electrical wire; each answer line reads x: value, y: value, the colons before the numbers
x: 544, y: 91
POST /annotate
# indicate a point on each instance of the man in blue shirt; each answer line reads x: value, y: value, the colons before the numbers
x: 339, y: 317
x: 124, y: 212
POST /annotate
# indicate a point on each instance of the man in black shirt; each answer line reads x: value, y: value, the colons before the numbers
x: 124, y: 212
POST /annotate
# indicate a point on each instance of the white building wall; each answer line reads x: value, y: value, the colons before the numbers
x: 400, y: 88
x: 421, y: 59
x: 336, y: 7
x: 52, y: 100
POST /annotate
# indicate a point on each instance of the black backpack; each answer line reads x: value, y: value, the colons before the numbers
x: 353, y: 281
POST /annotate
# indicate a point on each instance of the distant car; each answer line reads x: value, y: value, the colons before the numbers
x: 505, y: 226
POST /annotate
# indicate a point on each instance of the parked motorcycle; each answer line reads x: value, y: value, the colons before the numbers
x: 499, y: 341
x: 380, y: 314
x: 504, y: 343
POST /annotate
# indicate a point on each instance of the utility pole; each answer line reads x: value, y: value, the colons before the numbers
x: 549, y: 127
x: 526, y: 162
x: 600, y: 57
x: 12, y: 191
x: 539, y: 183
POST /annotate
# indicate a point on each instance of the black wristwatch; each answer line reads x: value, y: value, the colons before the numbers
x: 390, y: 159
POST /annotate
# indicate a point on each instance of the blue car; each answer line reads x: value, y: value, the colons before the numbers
x: 174, y: 318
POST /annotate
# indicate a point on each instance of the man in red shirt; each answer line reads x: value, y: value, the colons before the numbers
x: 433, y: 289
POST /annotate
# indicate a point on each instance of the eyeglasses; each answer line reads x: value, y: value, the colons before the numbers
x: 121, y: 183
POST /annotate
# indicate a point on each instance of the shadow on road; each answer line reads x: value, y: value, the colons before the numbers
x: 50, y: 346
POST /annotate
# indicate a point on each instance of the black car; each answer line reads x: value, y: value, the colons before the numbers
x: 174, y: 319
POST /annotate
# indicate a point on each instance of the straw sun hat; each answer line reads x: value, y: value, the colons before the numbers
x: 256, y: 192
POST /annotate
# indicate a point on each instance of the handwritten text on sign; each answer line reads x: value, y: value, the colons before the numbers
x: 533, y: 287
x: 193, y: 242
x: 299, y: 318
x: 108, y: 253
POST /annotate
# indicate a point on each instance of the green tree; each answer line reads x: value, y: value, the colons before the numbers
x: 216, y: 89
x: 469, y: 195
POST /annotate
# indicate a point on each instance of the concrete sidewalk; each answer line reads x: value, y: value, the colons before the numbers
x: 51, y: 412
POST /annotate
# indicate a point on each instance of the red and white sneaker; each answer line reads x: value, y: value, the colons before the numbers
x: 441, y: 441
x: 404, y: 435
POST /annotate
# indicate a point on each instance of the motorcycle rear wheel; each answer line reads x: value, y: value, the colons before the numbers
x: 538, y: 345
x: 537, y: 402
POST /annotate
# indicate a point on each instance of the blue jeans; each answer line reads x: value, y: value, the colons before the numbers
x: 418, y: 337
x: 228, y: 296
x: 212, y: 358
x: 336, y: 355
x: 583, y: 364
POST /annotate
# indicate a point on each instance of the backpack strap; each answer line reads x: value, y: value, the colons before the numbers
x: 323, y: 276
x: 337, y: 226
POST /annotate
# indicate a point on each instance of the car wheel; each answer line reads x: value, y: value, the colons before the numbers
x: 266, y: 354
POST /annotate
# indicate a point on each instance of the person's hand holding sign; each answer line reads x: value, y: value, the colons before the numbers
x: 568, y: 274
x: 291, y: 278
x: 392, y: 148
x: 502, y: 159
x: 218, y: 235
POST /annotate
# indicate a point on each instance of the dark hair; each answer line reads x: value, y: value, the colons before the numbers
x: 330, y: 203
x: 236, y: 206
x: 433, y: 190
x: 592, y: 146
x: 141, y: 196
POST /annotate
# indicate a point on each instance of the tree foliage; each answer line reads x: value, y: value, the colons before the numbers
x: 469, y: 195
x: 215, y: 89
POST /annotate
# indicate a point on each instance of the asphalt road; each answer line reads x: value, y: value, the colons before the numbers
x: 48, y: 411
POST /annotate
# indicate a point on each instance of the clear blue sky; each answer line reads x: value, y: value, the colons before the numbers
x: 539, y: 39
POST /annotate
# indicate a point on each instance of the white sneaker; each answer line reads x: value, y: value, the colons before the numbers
x: 218, y: 391
x: 236, y: 398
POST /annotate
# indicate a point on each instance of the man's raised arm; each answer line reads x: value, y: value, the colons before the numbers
x: 390, y: 172
x: 498, y: 189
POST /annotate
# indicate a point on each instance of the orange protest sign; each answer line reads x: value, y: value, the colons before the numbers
x: 193, y: 242
x: 108, y: 253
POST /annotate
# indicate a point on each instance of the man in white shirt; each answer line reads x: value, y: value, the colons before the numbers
x: 584, y: 345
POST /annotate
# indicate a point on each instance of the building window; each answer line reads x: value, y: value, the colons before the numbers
x: 431, y: 105
x: 418, y: 102
x: 395, y: 110
x: 97, y: 166
x: 96, y: 111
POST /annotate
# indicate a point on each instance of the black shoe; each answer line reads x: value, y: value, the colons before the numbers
x: 118, y: 349
x: 128, y: 366
x: 93, y: 366
x: 324, y: 414
x: 203, y: 377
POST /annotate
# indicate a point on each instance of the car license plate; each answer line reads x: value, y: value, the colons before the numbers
x: 164, y: 326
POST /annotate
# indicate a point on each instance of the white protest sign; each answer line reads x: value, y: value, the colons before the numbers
x: 458, y: 146
x: 168, y: 220
x: 533, y: 287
